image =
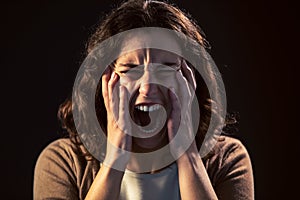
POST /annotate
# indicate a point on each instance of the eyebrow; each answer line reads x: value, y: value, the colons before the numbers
x: 131, y: 65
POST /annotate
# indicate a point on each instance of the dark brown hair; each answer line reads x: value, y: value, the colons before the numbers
x: 135, y: 14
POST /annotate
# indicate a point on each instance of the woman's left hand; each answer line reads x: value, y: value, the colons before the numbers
x: 179, y: 123
x: 194, y: 182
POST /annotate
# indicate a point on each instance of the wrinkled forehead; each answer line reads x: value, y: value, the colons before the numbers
x: 149, y: 55
x: 150, y: 40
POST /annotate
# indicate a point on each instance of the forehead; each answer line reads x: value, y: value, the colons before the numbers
x: 147, y: 44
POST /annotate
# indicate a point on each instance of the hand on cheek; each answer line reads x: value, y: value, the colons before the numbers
x: 180, y: 120
x: 116, y: 103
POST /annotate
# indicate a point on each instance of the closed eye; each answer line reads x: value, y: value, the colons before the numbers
x: 123, y: 71
x: 170, y: 64
x: 131, y: 70
x: 131, y: 65
x: 126, y: 67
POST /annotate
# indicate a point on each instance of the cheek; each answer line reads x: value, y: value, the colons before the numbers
x: 166, y: 85
x: 169, y: 82
x: 172, y: 80
x: 131, y: 86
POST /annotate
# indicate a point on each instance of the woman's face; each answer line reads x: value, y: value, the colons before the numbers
x: 147, y: 75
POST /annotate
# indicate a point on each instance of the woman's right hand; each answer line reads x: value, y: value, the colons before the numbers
x: 119, y: 142
x: 107, y: 183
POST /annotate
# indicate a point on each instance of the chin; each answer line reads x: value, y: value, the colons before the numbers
x: 146, y: 145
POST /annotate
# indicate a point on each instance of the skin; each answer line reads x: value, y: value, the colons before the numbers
x: 194, y: 182
x: 148, y: 94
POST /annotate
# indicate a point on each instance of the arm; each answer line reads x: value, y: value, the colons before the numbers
x: 232, y: 180
x: 54, y: 176
x: 108, y: 180
x: 235, y: 179
x: 194, y: 182
x: 106, y: 185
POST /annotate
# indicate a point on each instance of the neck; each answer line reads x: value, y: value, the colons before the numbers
x: 147, y: 145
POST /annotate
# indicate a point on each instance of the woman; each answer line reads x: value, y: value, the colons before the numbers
x: 144, y: 101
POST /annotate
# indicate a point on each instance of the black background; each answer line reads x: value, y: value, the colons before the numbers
x: 254, y: 44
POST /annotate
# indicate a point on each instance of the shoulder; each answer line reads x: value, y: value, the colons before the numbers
x: 227, y: 146
x: 230, y: 169
x: 62, y: 171
x: 62, y: 147
x: 59, y: 154
x: 230, y: 158
x: 60, y: 144
x: 230, y: 150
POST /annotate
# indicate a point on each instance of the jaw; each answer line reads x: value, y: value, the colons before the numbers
x: 151, y: 125
x: 150, y: 119
x: 147, y: 145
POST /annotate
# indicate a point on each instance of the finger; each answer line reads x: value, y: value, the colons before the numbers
x: 186, y: 101
x: 184, y: 88
x: 189, y: 74
x: 105, y: 78
x: 175, y: 116
x: 124, y: 111
x: 111, y: 84
x: 113, y: 95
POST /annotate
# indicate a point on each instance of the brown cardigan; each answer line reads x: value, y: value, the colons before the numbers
x: 61, y: 173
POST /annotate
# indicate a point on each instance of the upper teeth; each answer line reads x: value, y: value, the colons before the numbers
x: 148, y: 108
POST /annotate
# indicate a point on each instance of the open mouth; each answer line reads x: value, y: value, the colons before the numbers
x: 150, y: 118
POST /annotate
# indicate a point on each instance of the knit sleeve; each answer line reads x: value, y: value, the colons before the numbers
x: 235, y: 176
x: 54, y: 176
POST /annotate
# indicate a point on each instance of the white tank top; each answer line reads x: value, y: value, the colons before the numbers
x: 162, y: 185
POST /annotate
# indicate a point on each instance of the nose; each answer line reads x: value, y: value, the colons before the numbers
x: 147, y: 87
